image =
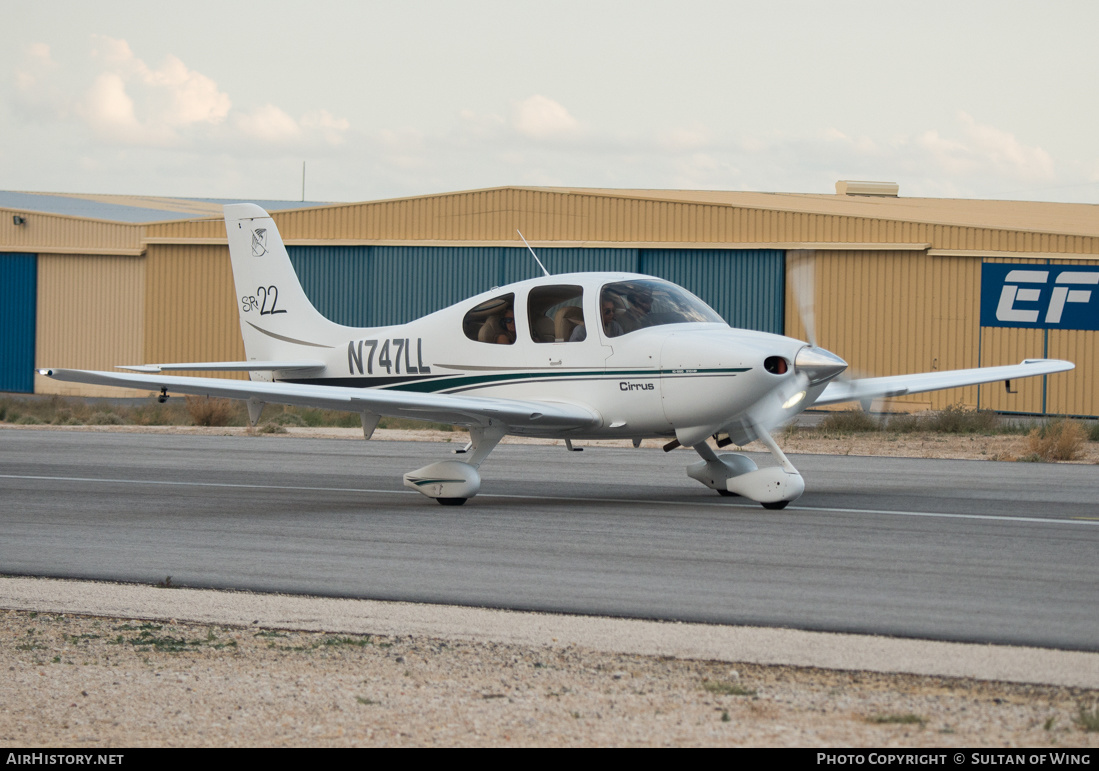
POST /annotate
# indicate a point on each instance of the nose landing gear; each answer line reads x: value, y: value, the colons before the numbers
x: 736, y: 474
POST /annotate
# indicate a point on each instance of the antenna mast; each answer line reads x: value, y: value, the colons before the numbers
x: 535, y: 256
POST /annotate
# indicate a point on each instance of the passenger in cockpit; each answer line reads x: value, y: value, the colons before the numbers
x: 507, y: 337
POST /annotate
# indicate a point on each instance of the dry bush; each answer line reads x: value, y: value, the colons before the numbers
x: 852, y: 421
x: 288, y: 419
x: 904, y: 424
x: 958, y: 419
x: 105, y: 418
x: 205, y: 411
x: 1058, y: 440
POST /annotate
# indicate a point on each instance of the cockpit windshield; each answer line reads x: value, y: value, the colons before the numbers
x: 651, y: 303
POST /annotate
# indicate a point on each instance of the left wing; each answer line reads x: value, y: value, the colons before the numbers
x: 866, y: 389
x: 443, y: 408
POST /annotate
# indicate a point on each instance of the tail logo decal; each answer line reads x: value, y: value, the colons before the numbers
x: 259, y: 242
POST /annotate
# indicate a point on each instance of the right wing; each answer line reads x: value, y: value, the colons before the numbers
x: 442, y: 408
x: 867, y: 389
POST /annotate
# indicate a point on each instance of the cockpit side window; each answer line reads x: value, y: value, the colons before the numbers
x: 651, y: 303
x: 493, y: 321
x: 556, y: 313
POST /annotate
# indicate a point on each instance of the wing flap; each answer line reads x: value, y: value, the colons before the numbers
x: 442, y: 408
x: 900, y: 385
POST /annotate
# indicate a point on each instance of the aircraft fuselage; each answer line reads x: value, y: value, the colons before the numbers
x: 645, y: 382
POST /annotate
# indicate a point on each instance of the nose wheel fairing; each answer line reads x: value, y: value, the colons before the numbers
x: 773, y: 487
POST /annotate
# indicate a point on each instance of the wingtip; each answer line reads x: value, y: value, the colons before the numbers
x: 1063, y: 365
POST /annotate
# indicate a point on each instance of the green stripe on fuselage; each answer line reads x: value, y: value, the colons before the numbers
x: 454, y: 383
x: 466, y: 382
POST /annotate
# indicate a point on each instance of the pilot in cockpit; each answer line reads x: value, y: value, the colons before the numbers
x: 641, y: 305
x: 611, y: 328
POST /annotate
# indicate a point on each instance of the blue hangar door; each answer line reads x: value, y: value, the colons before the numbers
x: 18, y: 298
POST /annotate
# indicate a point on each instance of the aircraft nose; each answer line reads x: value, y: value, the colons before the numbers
x: 818, y: 365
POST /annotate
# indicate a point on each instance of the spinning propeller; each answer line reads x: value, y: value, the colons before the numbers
x: 813, y: 365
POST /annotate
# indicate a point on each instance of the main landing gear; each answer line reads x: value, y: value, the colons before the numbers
x: 453, y: 482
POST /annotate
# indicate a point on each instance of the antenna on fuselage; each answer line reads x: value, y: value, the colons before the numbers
x: 535, y: 256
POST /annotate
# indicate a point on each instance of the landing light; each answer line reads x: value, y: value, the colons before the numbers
x: 795, y: 399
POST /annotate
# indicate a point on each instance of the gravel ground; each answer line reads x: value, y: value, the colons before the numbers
x: 303, y: 672
x: 92, y: 682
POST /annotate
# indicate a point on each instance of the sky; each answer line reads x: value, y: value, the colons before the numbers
x: 228, y: 99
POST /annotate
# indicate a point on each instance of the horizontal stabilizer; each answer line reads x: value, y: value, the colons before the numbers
x: 224, y: 366
x: 867, y: 389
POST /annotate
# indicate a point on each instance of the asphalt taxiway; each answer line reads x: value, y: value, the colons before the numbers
x: 946, y: 550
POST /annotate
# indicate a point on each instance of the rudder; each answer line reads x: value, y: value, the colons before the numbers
x: 277, y: 320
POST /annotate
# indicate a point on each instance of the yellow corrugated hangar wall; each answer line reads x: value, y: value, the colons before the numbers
x: 191, y: 311
x: 90, y: 315
x: 89, y: 293
x: 898, y: 279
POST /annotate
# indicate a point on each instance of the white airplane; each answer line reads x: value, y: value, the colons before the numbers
x: 572, y: 356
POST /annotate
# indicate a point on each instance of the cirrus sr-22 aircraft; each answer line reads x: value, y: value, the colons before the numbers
x: 572, y: 356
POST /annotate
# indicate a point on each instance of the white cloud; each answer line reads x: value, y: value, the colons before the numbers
x: 136, y: 104
x: 267, y: 124
x: 700, y: 170
x: 404, y: 149
x: 1005, y: 152
x: 862, y: 144
x: 38, y: 62
x: 36, y: 94
x: 108, y: 108
x: 125, y: 101
x: 331, y: 128
x: 682, y: 138
x: 480, y: 126
x: 539, y: 117
x: 948, y: 155
x: 133, y: 118
x: 115, y: 52
x: 986, y: 151
x: 172, y: 95
x: 193, y: 97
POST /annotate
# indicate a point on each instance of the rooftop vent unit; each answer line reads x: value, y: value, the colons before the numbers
x: 852, y: 187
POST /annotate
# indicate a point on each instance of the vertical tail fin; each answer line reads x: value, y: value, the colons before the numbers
x: 277, y: 321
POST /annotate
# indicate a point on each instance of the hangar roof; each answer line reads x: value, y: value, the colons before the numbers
x: 1067, y: 218
x: 87, y: 223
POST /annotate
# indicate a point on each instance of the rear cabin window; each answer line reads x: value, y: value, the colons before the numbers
x: 493, y: 321
x: 555, y: 312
